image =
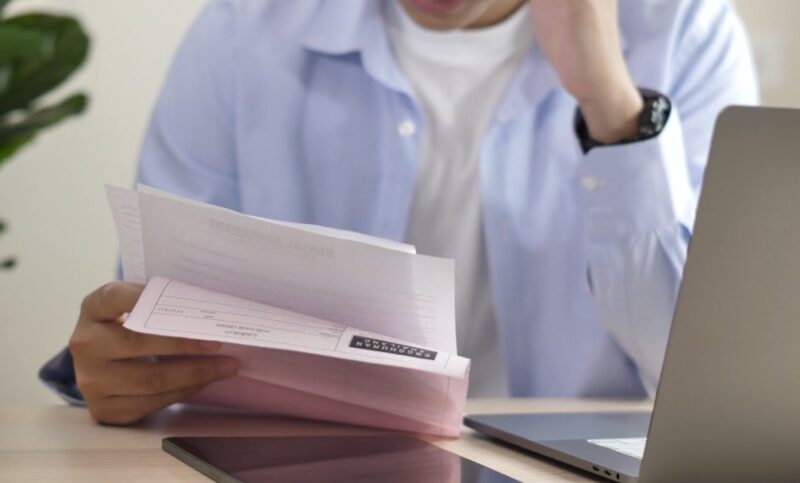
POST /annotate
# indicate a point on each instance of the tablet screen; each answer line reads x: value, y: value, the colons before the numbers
x: 385, y: 458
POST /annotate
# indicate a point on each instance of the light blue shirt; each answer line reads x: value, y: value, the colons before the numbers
x: 298, y: 111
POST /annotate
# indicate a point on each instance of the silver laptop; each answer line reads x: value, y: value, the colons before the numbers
x: 728, y: 402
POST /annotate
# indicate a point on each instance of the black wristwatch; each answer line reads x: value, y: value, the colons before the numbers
x: 652, y: 120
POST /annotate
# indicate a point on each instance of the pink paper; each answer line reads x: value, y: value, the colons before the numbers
x: 441, y: 415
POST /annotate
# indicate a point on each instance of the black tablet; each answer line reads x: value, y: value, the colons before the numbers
x: 384, y: 458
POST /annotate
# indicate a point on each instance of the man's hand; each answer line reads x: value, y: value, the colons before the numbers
x: 581, y: 40
x: 119, y: 382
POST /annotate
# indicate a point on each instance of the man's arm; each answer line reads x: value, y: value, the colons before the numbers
x: 190, y: 145
x: 581, y: 40
x: 641, y: 197
x: 189, y: 149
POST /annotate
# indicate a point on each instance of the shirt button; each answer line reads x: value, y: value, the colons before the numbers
x: 407, y: 128
x: 589, y: 183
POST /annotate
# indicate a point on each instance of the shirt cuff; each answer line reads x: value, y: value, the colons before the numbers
x: 59, y: 375
x: 638, y: 186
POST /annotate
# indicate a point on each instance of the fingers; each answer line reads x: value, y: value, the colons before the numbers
x: 130, y: 409
x: 95, y: 340
x: 139, y: 378
x: 111, y: 300
x: 118, y: 386
x: 126, y: 391
x: 121, y: 343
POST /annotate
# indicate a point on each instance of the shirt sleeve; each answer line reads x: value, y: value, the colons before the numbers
x: 59, y: 375
x: 189, y: 148
x: 189, y: 144
x: 641, y: 197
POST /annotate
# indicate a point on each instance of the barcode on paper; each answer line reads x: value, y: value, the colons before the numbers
x: 370, y: 344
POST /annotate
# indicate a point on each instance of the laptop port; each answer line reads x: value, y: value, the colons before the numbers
x: 596, y: 469
x: 608, y: 473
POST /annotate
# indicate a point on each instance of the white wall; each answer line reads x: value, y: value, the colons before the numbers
x: 52, y: 193
x: 772, y: 25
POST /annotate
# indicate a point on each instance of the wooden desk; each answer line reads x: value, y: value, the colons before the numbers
x: 61, y: 443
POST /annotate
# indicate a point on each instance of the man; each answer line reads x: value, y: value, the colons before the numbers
x: 554, y: 148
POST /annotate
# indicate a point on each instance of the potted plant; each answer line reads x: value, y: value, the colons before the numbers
x: 38, y: 52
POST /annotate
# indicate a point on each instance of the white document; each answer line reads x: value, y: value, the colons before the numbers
x: 327, y: 323
x: 124, y: 204
x: 175, y: 309
x: 377, y: 289
x: 317, y: 229
x: 125, y: 210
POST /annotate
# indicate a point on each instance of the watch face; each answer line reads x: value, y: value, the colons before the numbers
x: 651, y: 122
x: 654, y: 116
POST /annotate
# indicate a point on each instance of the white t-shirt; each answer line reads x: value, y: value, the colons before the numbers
x: 458, y: 78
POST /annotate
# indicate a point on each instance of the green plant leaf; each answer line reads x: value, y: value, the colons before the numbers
x: 19, y: 43
x: 15, y: 136
x: 64, y: 49
x: 8, y: 263
x: 13, y: 145
x: 2, y: 6
x: 6, y: 71
x: 44, y: 117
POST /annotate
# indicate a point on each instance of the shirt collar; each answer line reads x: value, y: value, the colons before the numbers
x: 356, y: 26
x: 488, y: 46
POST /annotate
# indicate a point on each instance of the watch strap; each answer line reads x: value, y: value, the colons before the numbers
x: 653, y: 118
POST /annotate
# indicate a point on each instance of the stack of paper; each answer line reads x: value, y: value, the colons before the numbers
x: 328, y: 324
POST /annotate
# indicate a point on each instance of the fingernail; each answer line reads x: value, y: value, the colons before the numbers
x: 210, y: 345
x: 228, y: 367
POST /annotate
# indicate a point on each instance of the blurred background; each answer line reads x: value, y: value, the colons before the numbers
x: 52, y: 196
